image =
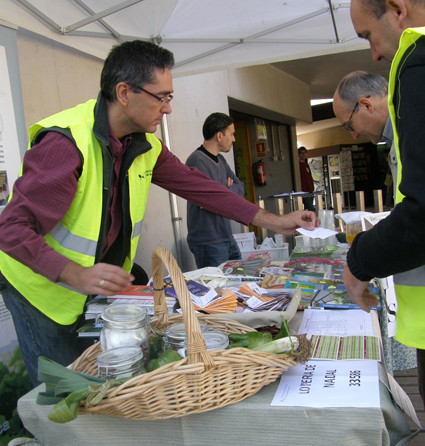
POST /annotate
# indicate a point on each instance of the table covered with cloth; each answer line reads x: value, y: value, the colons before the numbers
x: 250, y: 422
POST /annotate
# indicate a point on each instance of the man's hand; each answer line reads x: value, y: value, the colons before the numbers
x: 358, y: 291
x: 286, y: 224
x: 229, y: 181
x: 101, y: 278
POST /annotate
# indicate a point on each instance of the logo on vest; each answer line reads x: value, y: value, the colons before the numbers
x: 147, y: 174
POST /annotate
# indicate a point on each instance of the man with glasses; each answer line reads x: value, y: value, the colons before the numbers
x: 210, y: 235
x: 361, y: 105
x: 396, y: 245
x: 369, y: 116
x: 370, y: 120
x: 73, y: 224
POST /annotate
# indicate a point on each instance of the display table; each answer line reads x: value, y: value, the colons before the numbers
x: 250, y: 422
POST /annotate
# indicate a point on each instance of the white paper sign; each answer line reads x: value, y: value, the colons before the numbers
x: 330, y: 384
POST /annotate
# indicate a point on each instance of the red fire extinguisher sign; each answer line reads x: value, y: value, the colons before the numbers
x: 261, y: 149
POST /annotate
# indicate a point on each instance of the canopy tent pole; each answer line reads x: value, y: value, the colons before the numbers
x: 175, y: 216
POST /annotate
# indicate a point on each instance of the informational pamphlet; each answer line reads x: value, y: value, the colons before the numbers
x: 336, y: 323
x: 330, y: 384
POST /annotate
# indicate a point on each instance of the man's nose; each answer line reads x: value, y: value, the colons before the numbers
x: 166, y: 108
x: 355, y: 135
x: 375, y: 55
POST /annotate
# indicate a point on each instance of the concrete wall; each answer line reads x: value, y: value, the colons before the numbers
x: 55, y: 77
x: 325, y: 134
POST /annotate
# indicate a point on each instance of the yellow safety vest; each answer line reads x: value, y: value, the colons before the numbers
x: 76, y: 235
x: 410, y: 285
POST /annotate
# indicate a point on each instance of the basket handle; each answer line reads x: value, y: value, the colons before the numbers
x: 196, y: 348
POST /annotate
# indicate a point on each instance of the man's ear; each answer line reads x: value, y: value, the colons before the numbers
x: 122, y: 90
x: 399, y: 8
x: 367, y: 104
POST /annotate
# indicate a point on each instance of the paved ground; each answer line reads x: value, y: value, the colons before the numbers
x: 408, y: 381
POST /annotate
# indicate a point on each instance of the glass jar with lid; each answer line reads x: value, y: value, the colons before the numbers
x: 125, y: 325
x: 123, y: 362
x: 214, y: 340
x: 175, y: 335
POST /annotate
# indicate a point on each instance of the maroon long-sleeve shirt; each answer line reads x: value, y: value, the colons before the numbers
x: 43, y: 194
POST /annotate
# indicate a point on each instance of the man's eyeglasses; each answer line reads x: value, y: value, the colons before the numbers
x: 347, y: 125
x: 163, y: 100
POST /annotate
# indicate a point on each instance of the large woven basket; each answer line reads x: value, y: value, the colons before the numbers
x: 200, y: 382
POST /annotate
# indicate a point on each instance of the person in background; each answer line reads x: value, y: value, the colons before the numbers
x: 363, y: 97
x: 72, y: 226
x: 396, y: 245
x: 210, y: 235
x: 3, y: 196
x: 307, y: 183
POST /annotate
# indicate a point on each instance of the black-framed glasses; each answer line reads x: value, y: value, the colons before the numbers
x: 347, y: 125
x: 163, y: 100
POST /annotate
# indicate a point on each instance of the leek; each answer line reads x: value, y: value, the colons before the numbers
x: 282, y: 345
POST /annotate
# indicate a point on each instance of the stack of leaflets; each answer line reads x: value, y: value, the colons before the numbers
x: 249, y: 267
x: 313, y: 251
x: 252, y: 297
x: 89, y: 330
x: 317, y: 270
x: 95, y: 307
x: 327, y: 295
x: 204, y: 298
x: 336, y: 296
x: 142, y: 295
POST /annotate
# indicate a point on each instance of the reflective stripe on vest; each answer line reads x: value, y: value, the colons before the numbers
x: 76, y: 235
x: 410, y: 285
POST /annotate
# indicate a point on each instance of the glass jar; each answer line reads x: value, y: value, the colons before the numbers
x: 214, y: 340
x: 175, y: 335
x: 123, y: 362
x: 125, y: 325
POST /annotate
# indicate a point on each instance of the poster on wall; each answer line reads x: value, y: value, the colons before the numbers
x: 14, y: 380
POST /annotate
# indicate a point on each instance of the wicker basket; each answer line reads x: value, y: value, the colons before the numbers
x: 200, y: 382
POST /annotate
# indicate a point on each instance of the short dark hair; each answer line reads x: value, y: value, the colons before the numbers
x: 358, y: 84
x: 216, y: 122
x: 301, y: 149
x: 133, y: 62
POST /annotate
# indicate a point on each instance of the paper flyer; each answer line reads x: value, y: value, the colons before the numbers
x: 336, y: 323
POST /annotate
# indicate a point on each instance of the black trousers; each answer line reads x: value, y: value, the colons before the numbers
x: 420, y: 354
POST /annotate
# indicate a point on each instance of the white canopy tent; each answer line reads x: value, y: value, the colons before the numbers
x: 204, y: 35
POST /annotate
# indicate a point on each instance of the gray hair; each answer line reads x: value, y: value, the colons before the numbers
x: 358, y: 84
x: 379, y: 7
